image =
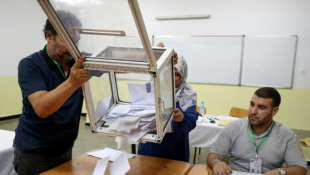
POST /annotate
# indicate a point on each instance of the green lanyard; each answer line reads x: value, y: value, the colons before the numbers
x: 261, y: 141
x: 62, y: 73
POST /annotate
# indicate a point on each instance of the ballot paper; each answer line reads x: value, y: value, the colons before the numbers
x: 141, y: 95
x: 120, y: 166
x: 136, y: 119
x: 102, y: 107
x: 243, y: 173
x: 108, y: 152
x: 101, y: 166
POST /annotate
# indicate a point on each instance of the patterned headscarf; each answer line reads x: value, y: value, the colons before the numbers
x: 185, y: 95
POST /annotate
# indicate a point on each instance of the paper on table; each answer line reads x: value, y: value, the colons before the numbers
x: 102, y: 107
x: 243, y: 173
x: 200, y: 119
x: 108, y: 152
x: 224, y: 122
x: 120, y: 165
x: 101, y: 166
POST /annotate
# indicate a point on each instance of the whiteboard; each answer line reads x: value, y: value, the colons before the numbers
x: 210, y: 59
x: 268, y: 61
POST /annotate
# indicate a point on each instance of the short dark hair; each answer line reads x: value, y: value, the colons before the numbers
x: 67, y: 18
x: 269, y: 92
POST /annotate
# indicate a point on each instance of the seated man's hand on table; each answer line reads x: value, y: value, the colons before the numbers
x: 221, y: 168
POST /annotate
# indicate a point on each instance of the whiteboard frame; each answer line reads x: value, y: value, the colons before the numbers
x: 242, y: 46
x: 242, y: 55
x: 293, y: 65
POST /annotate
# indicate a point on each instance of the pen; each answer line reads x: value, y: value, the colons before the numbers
x: 216, y: 119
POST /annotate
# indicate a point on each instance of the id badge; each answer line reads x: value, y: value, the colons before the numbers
x: 255, y: 165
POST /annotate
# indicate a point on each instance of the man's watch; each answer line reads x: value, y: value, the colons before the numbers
x: 281, y: 171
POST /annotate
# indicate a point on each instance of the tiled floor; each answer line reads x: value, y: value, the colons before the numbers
x: 87, y: 141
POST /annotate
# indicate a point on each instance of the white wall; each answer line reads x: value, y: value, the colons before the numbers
x: 21, y: 25
x: 22, y: 22
x: 237, y: 17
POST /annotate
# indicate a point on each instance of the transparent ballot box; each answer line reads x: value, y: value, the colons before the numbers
x: 131, y: 90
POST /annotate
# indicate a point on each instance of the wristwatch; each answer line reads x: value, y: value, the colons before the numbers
x: 281, y: 171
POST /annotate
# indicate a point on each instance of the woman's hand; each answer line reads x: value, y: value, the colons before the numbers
x: 160, y: 45
x: 177, y: 115
x: 175, y: 55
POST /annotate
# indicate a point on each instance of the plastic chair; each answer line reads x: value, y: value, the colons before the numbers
x: 238, y: 112
x: 197, y: 110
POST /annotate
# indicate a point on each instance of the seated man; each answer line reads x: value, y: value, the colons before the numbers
x: 258, y: 142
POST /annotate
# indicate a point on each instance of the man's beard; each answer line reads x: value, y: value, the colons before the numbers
x: 64, y: 57
x: 257, y: 122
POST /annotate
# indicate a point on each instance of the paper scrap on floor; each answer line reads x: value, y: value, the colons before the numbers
x: 108, y: 152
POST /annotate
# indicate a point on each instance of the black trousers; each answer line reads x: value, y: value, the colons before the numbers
x: 30, y: 164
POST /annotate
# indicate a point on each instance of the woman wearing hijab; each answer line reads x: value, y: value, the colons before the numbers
x: 176, y: 145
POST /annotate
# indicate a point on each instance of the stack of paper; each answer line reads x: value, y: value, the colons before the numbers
x: 136, y: 119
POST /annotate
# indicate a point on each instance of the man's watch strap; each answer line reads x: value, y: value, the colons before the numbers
x: 281, y: 171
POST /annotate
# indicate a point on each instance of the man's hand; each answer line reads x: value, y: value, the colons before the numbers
x: 78, y: 76
x: 177, y: 115
x: 221, y: 168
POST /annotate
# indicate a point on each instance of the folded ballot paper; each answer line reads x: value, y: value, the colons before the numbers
x: 120, y: 163
x: 136, y: 119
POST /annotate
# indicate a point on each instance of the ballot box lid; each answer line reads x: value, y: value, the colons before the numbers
x: 103, y: 30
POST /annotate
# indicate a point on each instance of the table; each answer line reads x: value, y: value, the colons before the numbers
x: 201, y: 170
x: 205, y: 170
x: 205, y: 134
x: 85, y: 165
x: 6, y: 152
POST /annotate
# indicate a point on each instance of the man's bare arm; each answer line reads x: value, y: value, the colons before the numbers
x: 218, y: 166
x: 292, y: 170
x: 45, y: 103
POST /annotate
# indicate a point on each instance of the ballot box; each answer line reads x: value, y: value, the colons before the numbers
x: 131, y: 92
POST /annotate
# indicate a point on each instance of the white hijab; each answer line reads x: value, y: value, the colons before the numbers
x: 185, y: 95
